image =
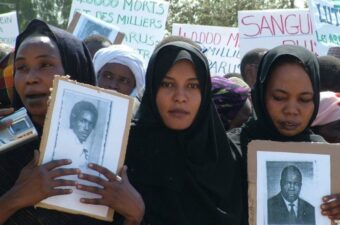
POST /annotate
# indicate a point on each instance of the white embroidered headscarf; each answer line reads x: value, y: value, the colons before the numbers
x: 126, y: 56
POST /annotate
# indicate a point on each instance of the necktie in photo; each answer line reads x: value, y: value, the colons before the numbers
x: 85, y: 153
x: 292, y: 215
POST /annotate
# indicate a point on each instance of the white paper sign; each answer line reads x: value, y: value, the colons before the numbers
x: 326, y: 20
x: 142, y: 21
x: 222, y: 44
x: 270, y: 28
x: 9, y: 28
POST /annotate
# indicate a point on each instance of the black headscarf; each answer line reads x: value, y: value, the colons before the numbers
x: 77, y: 63
x: 76, y: 59
x: 189, y: 176
x: 260, y: 126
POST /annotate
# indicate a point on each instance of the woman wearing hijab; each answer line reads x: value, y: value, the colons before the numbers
x: 41, y: 52
x: 286, y: 101
x: 120, y: 68
x: 231, y: 100
x: 178, y: 154
x: 327, y: 122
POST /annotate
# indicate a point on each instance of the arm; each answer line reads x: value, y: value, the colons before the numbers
x: 42, y: 179
x: 117, y: 193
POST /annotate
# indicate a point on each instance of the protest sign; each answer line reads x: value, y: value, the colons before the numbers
x: 270, y: 28
x: 9, y: 28
x: 142, y: 21
x: 326, y: 20
x: 83, y: 25
x: 221, y: 43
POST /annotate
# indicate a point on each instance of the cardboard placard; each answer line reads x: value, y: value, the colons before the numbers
x: 105, y: 140
x: 83, y: 25
x: 298, y: 153
x: 9, y: 29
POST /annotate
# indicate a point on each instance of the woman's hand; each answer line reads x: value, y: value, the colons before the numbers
x: 36, y: 183
x: 331, y: 206
x: 5, y: 112
x: 116, y: 192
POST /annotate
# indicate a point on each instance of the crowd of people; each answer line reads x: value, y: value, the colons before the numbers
x: 186, y: 158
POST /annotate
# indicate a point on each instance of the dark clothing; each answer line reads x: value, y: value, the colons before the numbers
x: 260, y: 126
x: 278, y: 212
x: 77, y: 63
x: 186, y: 177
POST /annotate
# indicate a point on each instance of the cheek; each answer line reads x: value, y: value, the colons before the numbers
x: 19, y: 84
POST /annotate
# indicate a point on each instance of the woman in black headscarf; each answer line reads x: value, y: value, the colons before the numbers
x: 178, y: 154
x: 285, y: 99
x: 41, y: 52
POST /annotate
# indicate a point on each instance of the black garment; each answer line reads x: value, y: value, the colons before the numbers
x: 187, y: 177
x: 261, y: 127
x: 279, y: 214
x: 77, y: 63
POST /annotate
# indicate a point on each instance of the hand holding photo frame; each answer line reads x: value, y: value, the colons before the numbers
x: 286, y: 181
x: 87, y: 125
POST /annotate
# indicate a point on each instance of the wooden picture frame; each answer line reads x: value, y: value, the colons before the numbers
x: 319, y: 166
x: 105, y: 143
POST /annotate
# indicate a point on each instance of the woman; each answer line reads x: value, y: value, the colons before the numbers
x: 41, y: 52
x: 231, y: 100
x: 286, y: 101
x: 120, y: 68
x: 178, y: 154
x: 327, y: 122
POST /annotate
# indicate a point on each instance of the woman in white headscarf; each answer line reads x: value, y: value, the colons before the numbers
x: 120, y: 68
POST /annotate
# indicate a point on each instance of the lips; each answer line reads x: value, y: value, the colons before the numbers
x: 289, y: 125
x: 178, y: 113
x: 36, y: 97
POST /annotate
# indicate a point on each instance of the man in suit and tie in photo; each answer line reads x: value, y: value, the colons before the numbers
x: 287, y: 207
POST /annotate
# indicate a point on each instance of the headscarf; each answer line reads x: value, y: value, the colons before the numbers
x: 6, y: 80
x: 126, y: 56
x: 77, y: 63
x: 189, y: 176
x: 75, y: 57
x: 229, y: 97
x: 329, y: 110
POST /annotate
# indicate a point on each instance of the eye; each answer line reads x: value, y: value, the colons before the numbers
x: 166, y: 84
x: 306, y: 100
x: 193, y: 85
x: 107, y: 76
x: 21, y: 68
x: 278, y: 98
x: 45, y: 65
x: 124, y: 80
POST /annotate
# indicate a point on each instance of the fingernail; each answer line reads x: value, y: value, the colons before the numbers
x: 90, y: 165
x: 82, y: 200
x: 81, y: 175
x: 79, y: 186
x: 69, y: 161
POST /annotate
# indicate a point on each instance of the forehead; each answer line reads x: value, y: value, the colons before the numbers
x: 183, y: 69
x: 34, y: 44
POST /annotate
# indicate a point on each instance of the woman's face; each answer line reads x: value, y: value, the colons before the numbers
x: 289, y: 99
x: 179, y: 97
x: 117, y: 77
x: 36, y: 63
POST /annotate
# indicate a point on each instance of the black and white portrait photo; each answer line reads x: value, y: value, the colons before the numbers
x: 88, y: 26
x: 285, y: 205
x: 81, y: 129
x: 85, y: 124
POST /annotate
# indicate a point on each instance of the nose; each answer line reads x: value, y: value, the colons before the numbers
x: 32, y: 77
x: 113, y: 84
x: 291, y: 108
x: 180, y: 95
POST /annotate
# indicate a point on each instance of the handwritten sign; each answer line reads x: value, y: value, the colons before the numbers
x: 326, y: 19
x: 270, y: 28
x: 9, y: 28
x: 142, y: 21
x: 222, y: 44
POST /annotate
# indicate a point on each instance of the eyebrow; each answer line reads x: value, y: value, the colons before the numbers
x: 190, y: 79
x: 285, y: 92
x: 37, y: 57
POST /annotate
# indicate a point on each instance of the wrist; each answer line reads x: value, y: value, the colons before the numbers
x: 8, y: 206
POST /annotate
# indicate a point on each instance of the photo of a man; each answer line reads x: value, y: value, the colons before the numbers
x: 75, y: 142
x: 287, y: 207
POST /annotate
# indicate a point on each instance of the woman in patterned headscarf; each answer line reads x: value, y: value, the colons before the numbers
x: 231, y: 101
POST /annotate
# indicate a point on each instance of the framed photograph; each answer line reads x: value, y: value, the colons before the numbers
x: 286, y: 181
x: 84, y: 25
x: 85, y: 124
